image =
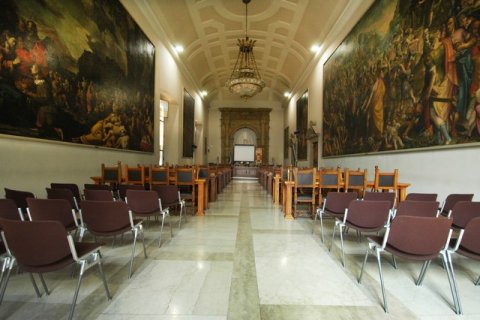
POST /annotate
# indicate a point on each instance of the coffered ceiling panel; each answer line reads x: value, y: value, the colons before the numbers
x: 208, y: 30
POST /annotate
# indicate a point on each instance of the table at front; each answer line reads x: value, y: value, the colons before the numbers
x: 202, y: 194
x: 287, y: 199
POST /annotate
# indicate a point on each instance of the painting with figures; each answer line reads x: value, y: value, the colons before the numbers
x: 76, y: 71
x: 406, y: 77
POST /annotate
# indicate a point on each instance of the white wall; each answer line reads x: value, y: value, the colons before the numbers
x: 31, y: 165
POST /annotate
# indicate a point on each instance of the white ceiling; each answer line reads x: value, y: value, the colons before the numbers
x: 285, y: 30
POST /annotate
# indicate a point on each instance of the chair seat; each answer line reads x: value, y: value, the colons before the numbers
x: 334, y: 214
x: 468, y: 253
x: 60, y: 264
x: 102, y: 233
x: 362, y: 228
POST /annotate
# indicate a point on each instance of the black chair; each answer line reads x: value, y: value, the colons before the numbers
x: 418, y: 239
x: 54, y: 209
x: 362, y: 216
x: 417, y: 208
x: 35, y: 252
x: 421, y: 197
x: 380, y: 196
x: 464, y: 211
x: 122, y: 189
x: 111, y: 218
x: 171, y: 199
x: 146, y: 203
x: 20, y: 198
x: 334, y: 206
x: 9, y: 210
x: 98, y: 195
x: 453, y: 198
x: 467, y: 245
x: 66, y: 194
x: 304, y: 189
x: 71, y: 186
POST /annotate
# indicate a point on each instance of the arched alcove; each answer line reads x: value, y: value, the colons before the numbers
x: 235, y: 119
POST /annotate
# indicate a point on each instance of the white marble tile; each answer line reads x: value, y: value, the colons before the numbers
x: 293, y: 269
x: 176, y: 288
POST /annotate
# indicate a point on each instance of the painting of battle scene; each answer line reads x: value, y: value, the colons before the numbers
x: 76, y: 71
x: 407, y: 76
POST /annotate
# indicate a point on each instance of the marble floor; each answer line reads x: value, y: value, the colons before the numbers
x: 242, y: 260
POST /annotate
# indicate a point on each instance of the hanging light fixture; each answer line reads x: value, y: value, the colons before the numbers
x: 245, y: 79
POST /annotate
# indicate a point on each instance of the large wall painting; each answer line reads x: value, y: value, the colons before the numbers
x: 76, y: 71
x: 407, y: 76
x: 302, y: 126
x: 189, y: 145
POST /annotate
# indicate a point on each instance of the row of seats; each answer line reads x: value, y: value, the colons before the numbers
x: 416, y: 229
x: 40, y: 234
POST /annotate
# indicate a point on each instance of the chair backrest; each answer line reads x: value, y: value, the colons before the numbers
x: 142, y: 201
x: 421, y: 197
x: 167, y: 194
x: 31, y: 247
x: 203, y: 172
x: 380, y: 196
x: 71, y: 186
x: 105, y: 217
x: 159, y: 175
x: 286, y: 173
x: 330, y: 179
x: 337, y: 202
x: 51, y: 209
x: 356, y: 180
x: 417, y: 208
x: 134, y: 175
x: 98, y: 195
x: 112, y: 174
x: 94, y: 186
x: 464, y: 211
x: 453, y: 198
x: 9, y: 210
x: 471, y: 237
x: 65, y: 194
x: 305, y: 177
x: 368, y: 214
x: 184, y: 176
x: 20, y: 198
x: 385, y: 180
x: 122, y: 189
x: 421, y: 236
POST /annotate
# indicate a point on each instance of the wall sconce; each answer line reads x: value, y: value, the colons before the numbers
x: 163, y: 108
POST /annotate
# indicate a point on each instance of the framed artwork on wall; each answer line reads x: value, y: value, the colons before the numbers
x: 188, y: 125
x: 77, y: 72
x: 406, y: 77
x: 302, y: 126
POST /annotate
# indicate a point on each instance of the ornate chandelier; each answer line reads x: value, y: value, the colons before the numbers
x: 245, y: 79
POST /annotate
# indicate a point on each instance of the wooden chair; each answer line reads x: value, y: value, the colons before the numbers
x: 111, y: 175
x: 329, y: 180
x: 356, y: 180
x: 385, y: 181
x: 159, y: 175
x: 185, y: 181
x: 304, y: 189
x: 134, y: 175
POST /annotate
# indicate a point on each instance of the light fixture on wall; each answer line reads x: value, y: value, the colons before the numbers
x: 245, y: 79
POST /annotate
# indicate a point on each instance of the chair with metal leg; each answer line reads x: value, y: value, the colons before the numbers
x: 35, y: 252
x: 111, y: 218
x: 417, y: 239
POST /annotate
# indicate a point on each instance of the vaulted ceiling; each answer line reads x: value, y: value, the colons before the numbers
x: 285, y: 31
